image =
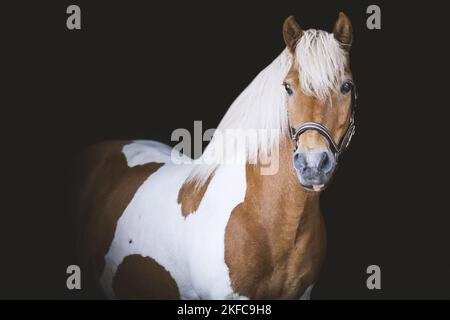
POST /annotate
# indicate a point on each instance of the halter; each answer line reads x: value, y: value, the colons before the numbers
x: 337, y: 149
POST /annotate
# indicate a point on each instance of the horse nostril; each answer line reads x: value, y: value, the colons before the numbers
x: 299, y: 161
x: 325, y: 163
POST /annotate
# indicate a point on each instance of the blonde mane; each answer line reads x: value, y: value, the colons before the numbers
x: 261, y: 107
x: 321, y: 62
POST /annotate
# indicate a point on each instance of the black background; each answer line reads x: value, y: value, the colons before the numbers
x: 142, y: 69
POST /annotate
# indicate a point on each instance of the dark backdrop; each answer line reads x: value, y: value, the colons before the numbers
x: 142, y: 69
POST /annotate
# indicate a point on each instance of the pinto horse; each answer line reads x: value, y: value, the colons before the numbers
x: 150, y: 228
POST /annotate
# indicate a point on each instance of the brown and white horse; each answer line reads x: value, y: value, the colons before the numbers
x: 153, y: 228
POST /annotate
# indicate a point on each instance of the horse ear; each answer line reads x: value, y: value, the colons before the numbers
x: 343, y: 31
x: 292, y: 32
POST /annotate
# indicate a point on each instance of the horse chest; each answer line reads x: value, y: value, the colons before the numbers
x: 273, y: 265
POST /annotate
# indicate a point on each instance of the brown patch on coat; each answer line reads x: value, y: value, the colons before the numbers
x: 190, y: 196
x: 139, y: 277
x: 104, y: 186
x: 275, y: 239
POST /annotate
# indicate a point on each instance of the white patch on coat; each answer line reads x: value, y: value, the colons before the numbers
x: 140, y: 151
x: 190, y: 248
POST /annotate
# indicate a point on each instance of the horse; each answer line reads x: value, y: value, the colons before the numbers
x: 149, y: 227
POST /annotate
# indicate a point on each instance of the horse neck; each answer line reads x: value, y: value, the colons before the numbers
x: 283, y: 208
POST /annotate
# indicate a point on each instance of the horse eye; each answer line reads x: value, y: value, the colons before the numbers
x: 346, y: 87
x: 288, y: 88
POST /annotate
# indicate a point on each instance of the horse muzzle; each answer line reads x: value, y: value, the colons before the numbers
x: 314, y: 168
